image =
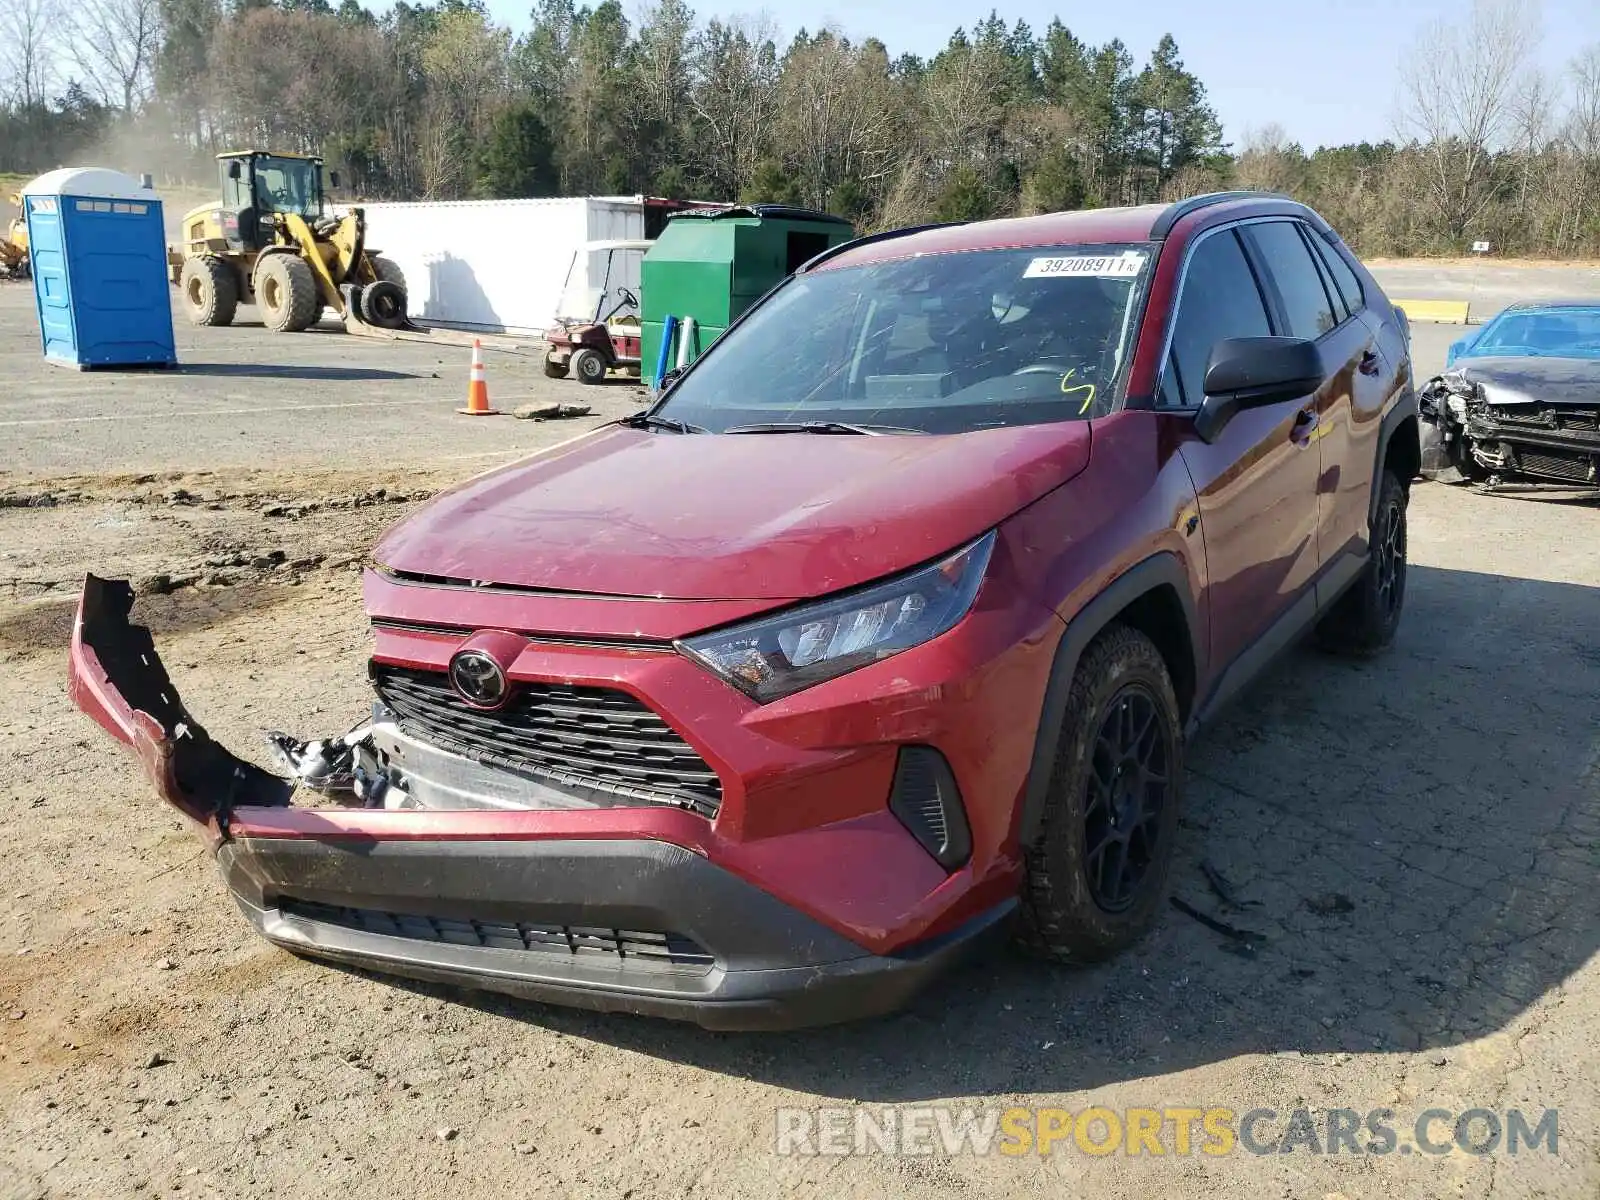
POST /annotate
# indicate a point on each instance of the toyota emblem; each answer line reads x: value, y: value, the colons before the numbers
x: 478, y: 679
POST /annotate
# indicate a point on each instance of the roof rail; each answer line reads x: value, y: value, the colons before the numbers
x: 1177, y: 211
x: 870, y: 238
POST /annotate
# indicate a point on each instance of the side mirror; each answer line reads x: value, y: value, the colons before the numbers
x: 1254, y: 372
x: 333, y: 179
x: 669, y: 378
x: 233, y: 170
x: 1457, y: 349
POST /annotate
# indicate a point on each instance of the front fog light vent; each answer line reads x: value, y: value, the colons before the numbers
x: 928, y: 804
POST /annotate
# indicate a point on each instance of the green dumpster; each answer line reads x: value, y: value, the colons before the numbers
x: 712, y: 264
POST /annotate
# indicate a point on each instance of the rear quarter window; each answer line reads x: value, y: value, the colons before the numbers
x: 1345, y: 279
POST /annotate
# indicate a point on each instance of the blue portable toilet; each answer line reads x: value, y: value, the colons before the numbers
x: 99, y: 269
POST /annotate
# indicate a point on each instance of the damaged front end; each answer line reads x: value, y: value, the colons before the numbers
x: 1486, y: 426
x: 118, y: 679
x: 464, y: 761
x: 556, y: 839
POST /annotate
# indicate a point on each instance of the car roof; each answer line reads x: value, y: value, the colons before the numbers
x: 1084, y: 227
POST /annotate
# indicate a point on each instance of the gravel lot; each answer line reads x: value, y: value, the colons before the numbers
x: 1413, y: 843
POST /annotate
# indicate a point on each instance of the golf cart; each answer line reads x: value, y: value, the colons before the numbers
x: 597, y: 322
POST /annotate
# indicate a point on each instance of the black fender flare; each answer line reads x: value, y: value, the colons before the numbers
x: 1162, y: 569
x: 1404, y: 409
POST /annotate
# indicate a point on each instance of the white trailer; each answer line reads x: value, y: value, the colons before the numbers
x: 498, y: 266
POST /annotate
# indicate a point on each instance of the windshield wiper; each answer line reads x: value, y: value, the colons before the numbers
x: 819, y: 427
x: 652, y: 421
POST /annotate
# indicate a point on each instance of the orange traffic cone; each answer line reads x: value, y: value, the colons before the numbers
x: 477, y: 387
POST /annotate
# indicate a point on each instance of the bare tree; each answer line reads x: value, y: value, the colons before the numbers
x: 837, y: 116
x: 660, y: 61
x: 1530, y: 123
x: 1269, y: 161
x: 26, y: 66
x: 1458, y: 92
x: 734, y: 96
x: 1581, y: 136
x: 114, y: 44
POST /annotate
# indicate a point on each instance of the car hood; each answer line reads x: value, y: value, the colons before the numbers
x: 715, y: 516
x: 1535, y: 380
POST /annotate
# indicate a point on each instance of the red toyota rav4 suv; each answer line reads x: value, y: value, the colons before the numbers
x: 882, y: 630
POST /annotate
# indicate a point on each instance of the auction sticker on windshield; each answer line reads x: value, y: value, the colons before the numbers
x: 1099, y: 266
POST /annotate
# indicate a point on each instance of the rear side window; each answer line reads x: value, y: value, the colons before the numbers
x: 1220, y: 300
x: 1305, y: 301
x: 1340, y: 311
x: 1343, y: 277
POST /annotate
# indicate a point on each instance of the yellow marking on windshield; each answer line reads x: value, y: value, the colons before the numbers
x: 1086, y: 388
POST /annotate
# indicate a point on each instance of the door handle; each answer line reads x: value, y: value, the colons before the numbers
x: 1305, y: 424
x: 1369, y: 363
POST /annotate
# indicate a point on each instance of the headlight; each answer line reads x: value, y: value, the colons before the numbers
x: 776, y: 656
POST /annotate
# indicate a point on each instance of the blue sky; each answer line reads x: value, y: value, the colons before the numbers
x: 1325, y: 72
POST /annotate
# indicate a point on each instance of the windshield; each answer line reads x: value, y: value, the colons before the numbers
x: 288, y: 185
x: 939, y: 343
x: 1560, y: 333
x: 601, y: 285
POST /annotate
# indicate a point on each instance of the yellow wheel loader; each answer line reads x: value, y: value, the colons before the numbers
x: 14, y: 263
x: 273, y: 242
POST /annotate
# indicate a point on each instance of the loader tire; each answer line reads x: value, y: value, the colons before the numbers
x: 286, y: 293
x: 387, y: 270
x: 210, y: 290
x: 384, y: 304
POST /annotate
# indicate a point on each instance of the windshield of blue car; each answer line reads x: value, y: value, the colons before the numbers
x: 1555, y: 333
x: 936, y: 343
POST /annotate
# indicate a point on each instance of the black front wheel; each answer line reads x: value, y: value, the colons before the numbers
x: 1097, y: 871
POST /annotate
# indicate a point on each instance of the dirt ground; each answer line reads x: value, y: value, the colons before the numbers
x: 1412, y: 842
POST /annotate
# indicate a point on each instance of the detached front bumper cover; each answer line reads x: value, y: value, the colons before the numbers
x: 118, y: 679
x: 633, y: 924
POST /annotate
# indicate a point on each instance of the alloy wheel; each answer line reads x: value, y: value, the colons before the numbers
x: 1130, y: 784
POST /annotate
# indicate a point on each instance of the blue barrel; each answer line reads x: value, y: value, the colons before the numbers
x: 99, y: 269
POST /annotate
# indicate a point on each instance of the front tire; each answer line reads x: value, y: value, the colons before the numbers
x: 1363, y: 621
x: 210, y: 290
x: 1097, y: 872
x: 588, y: 366
x: 286, y: 293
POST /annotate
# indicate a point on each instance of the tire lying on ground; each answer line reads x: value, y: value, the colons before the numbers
x: 286, y: 293
x: 210, y: 290
x: 384, y: 304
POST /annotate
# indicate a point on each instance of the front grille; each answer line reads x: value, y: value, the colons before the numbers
x: 570, y: 941
x: 1565, y: 420
x: 1560, y: 466
x: 592, y: 739
x: 1521, y: 416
